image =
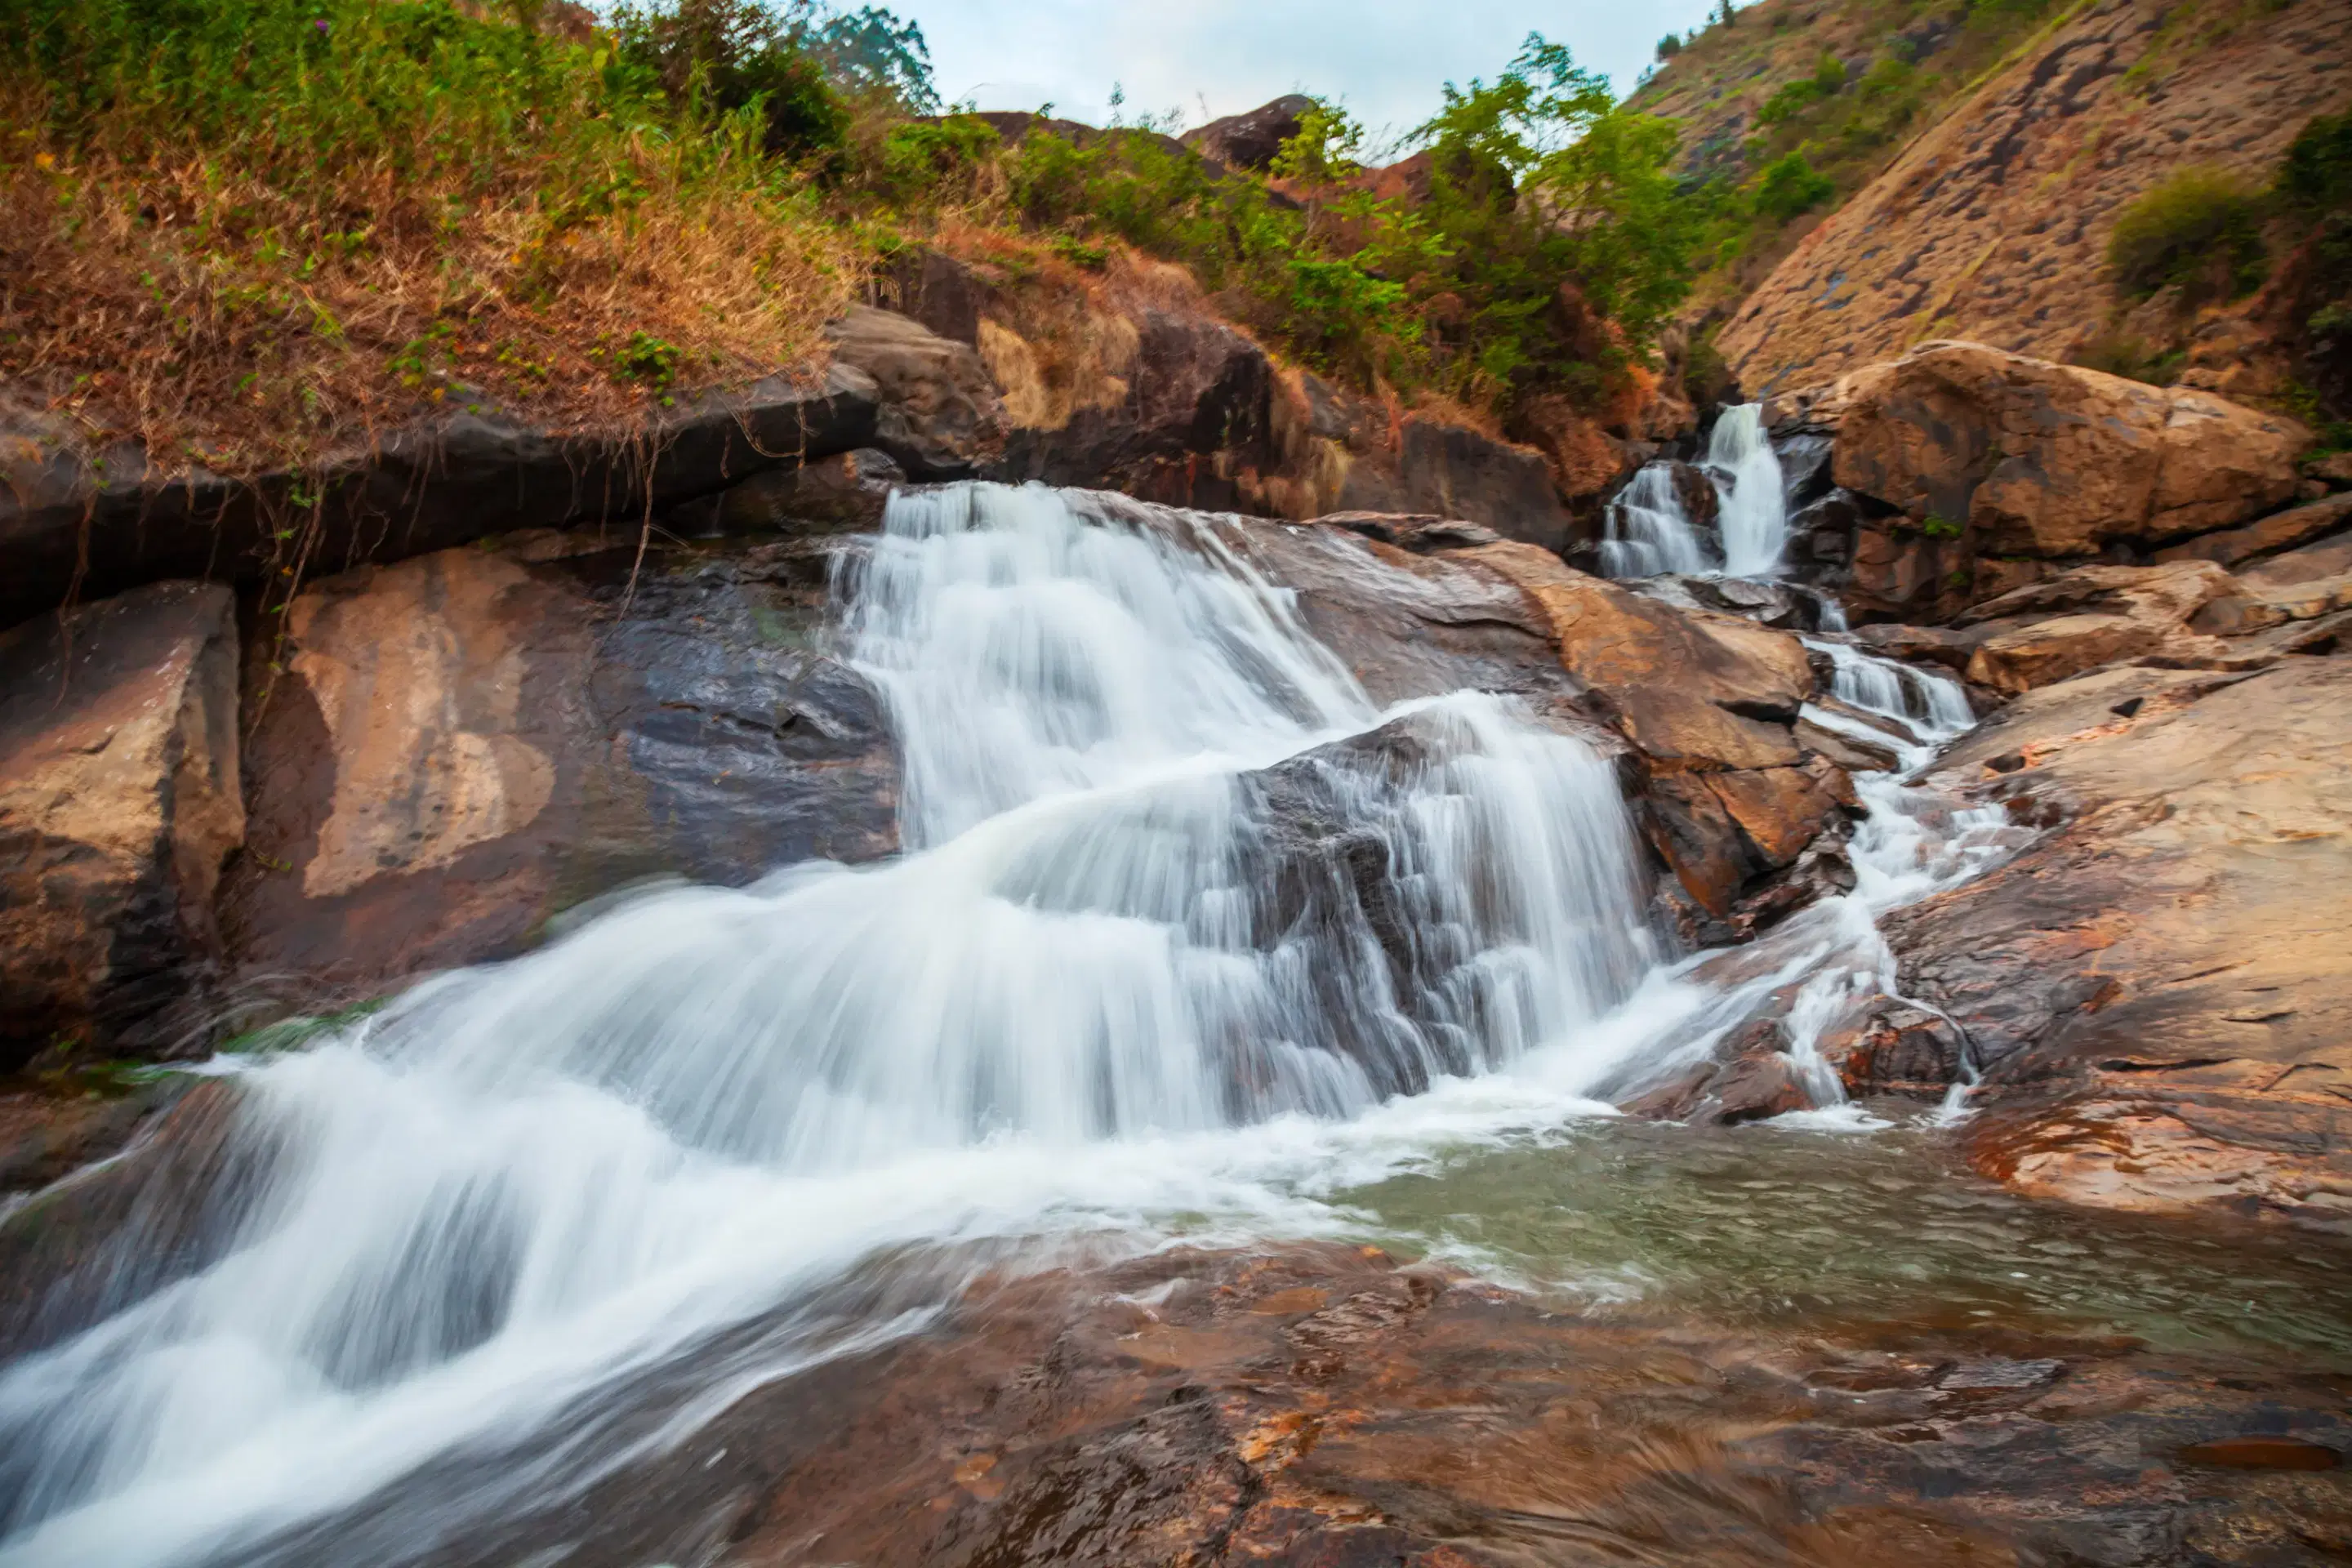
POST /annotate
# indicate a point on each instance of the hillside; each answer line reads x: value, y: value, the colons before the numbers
x: 1967, y: 165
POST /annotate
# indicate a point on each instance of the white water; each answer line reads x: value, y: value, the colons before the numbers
x: 1650, y: 532
x: 1108, y: 991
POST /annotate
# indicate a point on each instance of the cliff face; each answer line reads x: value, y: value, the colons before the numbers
x: 1992, y: 225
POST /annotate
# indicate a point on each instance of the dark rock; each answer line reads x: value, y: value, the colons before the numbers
x: 89, y: 526
x: 1805, y: 462
x: 119, y: 802
x: 1250, y: 141
x: 846, y: 494
x: 1420, y: 535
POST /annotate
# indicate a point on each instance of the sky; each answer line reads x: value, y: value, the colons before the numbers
x: 1383, y: 58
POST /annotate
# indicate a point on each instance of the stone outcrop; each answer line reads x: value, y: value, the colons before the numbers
x: 75, y: 526
x: 1993, y: 224
x: 936, y: 413
x: 2156, y: 991
x: 1131, y: 382
x: 457, y: 748
x: 1250, y: 141
x: 119, y: 802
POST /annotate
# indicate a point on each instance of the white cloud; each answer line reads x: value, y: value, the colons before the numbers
x: 1384, y: 57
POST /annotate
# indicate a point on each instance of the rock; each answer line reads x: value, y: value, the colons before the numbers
x: 938, y: 413
x: 1992, y: 224
x: 2333, y: 469
x: 1893, y: 1049
x: 1319, y: 1406
x: 1250, y: 141
x: 2312, y: 562
x: 2280, y: 530
x: 95, y: 524
x: 2155, y: 990
x: 2096, y: 616
x: 1753, y: 1080
x: 118, y: 801
x: 1459, y: 472
x: 1419, y: 534
x: 464, y: 744
x: 844, y: 494
x: 2051, y: 460
x: 1920, y: 644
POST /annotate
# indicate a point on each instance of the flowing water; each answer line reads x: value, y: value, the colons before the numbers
x: 1651, y: 531
x: 1190, y: 939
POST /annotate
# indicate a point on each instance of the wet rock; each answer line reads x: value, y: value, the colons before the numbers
x: 2051, y: 460
x: 937, y: 412
x: 1318, y: 1406
x: 119, y: 802
x: 2155, y: 990
x: 1749, y: 1080
x: 463, y: 745
x: 1920, y: 644
x: 92, y: 524
x: 1419, y: 534
x: 1895, y: 1048
x: 1250, y: 141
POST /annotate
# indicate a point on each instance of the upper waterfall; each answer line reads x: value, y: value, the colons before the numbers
x: 1650, y: 531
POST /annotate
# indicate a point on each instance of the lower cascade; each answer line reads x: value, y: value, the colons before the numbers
x: 1186, y: 925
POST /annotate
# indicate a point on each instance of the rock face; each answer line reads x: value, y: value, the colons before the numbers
x: 1133, y: 383
x: 2156, y: 992
x: 1993, y: 224
x: 118, y: 801
x: 69, y: 526
x: 938, y: 414
x: 463, y: 744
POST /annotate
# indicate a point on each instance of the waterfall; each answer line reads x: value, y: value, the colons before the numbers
x: 1170, y: 874
x: 1649, y: 531
x: 1927, y: 707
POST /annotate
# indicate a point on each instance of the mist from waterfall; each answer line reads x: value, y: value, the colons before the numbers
x: 1650, y: 531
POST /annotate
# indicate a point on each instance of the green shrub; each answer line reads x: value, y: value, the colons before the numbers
x: 1790, y: 187
x: 1793, y: 98
x: 729, y: 56
x: 2200, y: 231
x: 1670, y: 46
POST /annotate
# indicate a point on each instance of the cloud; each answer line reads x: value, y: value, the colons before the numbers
x: 1206, y: 57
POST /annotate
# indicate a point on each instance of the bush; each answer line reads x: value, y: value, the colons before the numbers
x: 1827, y: 81
x: 1790, y: 187
x: 1670, y: 46
x: 2200, y: 231
x: 729, y: 56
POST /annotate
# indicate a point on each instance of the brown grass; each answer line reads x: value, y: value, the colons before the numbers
x: 156, y: 295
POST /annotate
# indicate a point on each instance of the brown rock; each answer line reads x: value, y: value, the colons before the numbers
x: 847, y: 493
x: 118, y: 801
x: 2051, y: 460
x: 2156, y: 990
x: 2065, y: 625
x: 2280, y: 530
x: 940, y: 414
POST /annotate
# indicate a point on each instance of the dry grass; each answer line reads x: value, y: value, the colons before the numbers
x: 199, y: 300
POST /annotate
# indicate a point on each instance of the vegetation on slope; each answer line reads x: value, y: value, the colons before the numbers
x: 247, y: 232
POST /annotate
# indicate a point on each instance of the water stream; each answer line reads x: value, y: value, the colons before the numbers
x: 1650, y: 529
x: 1189, y: 938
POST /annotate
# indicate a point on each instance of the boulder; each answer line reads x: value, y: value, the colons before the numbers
x: 936, y: 413
x: 2156, y: 992
x: 2049, y: 461
x: 2185, y: 613
x: 2279, y: 532
x: 1250, y: 141
x: 119, y: 802
x: 463, y: 745
x: 844, y: 494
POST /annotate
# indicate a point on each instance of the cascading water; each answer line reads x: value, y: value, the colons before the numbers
x: 1651, y: 531
x: 1171, y: 873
